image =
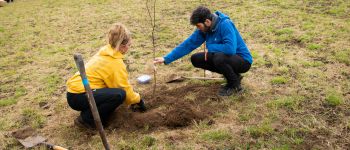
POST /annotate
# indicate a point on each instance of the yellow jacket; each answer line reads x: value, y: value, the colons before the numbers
x: 106, y: 69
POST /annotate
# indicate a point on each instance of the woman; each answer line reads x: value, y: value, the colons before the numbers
x: 108, y: 78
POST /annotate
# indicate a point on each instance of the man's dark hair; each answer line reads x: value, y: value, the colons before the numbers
x: 200, y: 14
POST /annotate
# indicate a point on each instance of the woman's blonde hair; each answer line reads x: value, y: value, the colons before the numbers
x: 118, y: 34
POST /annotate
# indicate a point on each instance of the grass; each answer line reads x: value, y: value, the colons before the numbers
x: 244, y: 117
x: 52, y: 82
x: 259, y: 130
x: 33, y: 118
x: 313, y: 46
x: 20, y: 91
x: 217, y: 135
x: 279, y: 80
x: 334, y: 99
x: 8, y: 101
x: 312, y: 63
x: 289, y: 102
x: 300, y: 50
x: 343, y: 56
x: 148, y: 141
x: 283, y: 70
x: 295, y: 135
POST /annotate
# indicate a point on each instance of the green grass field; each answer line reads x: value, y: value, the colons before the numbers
x: 297, y: 93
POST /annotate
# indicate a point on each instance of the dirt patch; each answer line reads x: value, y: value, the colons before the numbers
x: 174, y: 108
x: 23, y: 133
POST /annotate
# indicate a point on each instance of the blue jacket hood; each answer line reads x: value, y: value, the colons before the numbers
x: 220, y: 17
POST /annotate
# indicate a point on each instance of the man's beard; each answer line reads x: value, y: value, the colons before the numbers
x: 206, y: 28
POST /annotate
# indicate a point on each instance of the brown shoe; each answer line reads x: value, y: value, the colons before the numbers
x: 80, y: 123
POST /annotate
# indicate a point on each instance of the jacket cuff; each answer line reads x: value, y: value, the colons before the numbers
x: 135, y: 100
x: 166, y: 61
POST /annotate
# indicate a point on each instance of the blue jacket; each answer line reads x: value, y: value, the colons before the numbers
x: 222, y: 37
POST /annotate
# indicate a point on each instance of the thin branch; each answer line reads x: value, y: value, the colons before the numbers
x: 153, y: 24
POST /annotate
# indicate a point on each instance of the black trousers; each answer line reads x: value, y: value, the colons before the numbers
x: 229, y: 65
x: 107, y: 100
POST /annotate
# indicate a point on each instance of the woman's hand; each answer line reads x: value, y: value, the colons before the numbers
x: 158, y: 60
x: 139, y: 107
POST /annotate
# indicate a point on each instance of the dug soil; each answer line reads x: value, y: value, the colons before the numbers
x: 173, y: 108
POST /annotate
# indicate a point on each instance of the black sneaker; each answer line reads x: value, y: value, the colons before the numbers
x: 228, y: 91
x: 80, y: 123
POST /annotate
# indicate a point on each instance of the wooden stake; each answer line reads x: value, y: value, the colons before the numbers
x: 80, y: 64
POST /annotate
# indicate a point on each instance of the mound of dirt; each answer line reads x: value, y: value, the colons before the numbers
x: 174, y: 108
x: 183, y: 116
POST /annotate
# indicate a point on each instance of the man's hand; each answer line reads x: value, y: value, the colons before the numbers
x: 139, y: 106
x: 158, y: 60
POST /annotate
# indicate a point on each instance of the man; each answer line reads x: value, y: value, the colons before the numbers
x: 227, y: 51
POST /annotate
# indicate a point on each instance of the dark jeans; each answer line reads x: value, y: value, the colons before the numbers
x: 107, y: 100
x: 229, y: 65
